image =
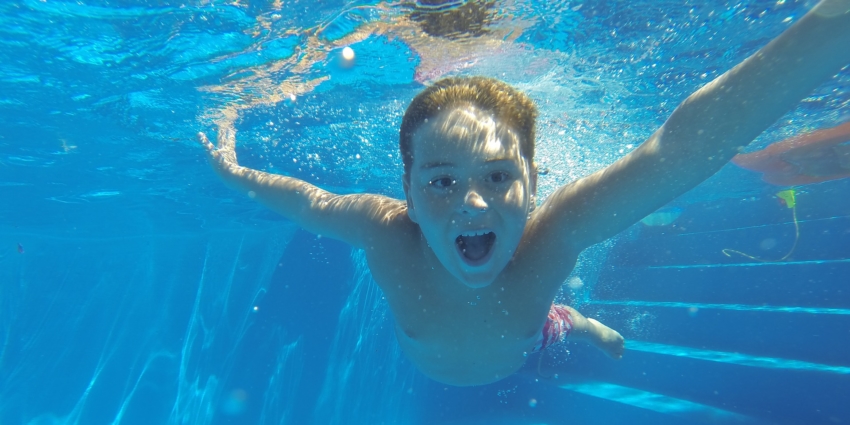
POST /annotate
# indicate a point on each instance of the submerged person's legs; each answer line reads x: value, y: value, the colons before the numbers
x: 566, y: 321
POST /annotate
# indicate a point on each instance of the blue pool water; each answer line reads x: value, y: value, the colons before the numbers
x: 135, y: 288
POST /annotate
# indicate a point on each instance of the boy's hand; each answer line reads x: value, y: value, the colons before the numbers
x: 352, y: 218
x: 703, y: 133
x: 223, y: 157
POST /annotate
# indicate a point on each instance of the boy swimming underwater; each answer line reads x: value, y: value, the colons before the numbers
x: 468, y: 265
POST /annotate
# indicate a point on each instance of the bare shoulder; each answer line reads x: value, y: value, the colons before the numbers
x: 382, y: 221
x: 358, y: 219
x: 396, y: 253
x: 546, y: 253
x: 561, y: 213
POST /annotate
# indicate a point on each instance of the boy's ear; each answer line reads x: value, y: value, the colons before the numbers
x: 411, y: 212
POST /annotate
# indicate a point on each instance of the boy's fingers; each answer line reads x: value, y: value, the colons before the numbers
x: 225, y: 154
x: 226, y: 138
x: 206, y: 142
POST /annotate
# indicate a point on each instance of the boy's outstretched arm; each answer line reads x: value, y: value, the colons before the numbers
x: 704, y: 132
x: 355, y: 219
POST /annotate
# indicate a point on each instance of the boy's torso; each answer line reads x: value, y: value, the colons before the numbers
x: 456, y: 334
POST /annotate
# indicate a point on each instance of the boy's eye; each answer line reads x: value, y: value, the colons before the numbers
x: 442, y: 182
x: 498, y: 177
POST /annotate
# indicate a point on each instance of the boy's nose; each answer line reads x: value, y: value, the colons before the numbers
x: 473, y: 203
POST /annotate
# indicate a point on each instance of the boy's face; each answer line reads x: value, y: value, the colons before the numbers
x: 470, y: 190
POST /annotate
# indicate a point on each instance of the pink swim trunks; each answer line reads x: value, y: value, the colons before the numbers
x: 557, y: 327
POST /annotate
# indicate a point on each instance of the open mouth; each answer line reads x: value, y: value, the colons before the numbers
x: 475, y: 247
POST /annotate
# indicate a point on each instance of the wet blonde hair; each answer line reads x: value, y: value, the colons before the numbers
x: 509, y: 106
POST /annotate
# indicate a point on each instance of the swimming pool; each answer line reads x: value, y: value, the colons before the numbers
x: 135, y: 288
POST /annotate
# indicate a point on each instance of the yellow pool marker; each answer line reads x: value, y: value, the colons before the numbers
x: 789, y: 199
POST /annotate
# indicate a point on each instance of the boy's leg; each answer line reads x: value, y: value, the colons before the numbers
x: 595, y: 333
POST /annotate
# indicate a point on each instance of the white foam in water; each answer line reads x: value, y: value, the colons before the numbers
x: 575, y: 283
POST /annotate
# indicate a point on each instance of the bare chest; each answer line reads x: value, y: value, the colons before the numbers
x: 460, y: 335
